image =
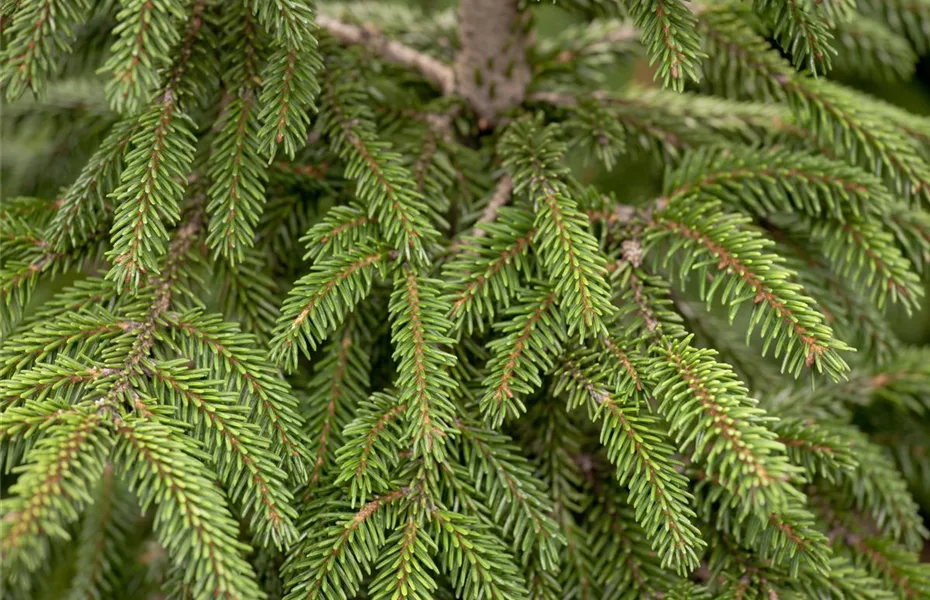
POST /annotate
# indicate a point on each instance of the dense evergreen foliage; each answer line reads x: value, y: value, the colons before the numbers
x: 331, y: 300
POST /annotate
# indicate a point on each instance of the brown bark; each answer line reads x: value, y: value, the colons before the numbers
x: 499, y: 198
x: 491, y: 71
x: 433, y: 70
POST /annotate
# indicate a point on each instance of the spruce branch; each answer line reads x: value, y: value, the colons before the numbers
x: 249, y: 295
x: 846, y: 580
x: 564, y: 477
x: 341, y: 228
x: 65, y: 379
x: 19, y: 278
x: 629, y: 566
x: 105, y: 538
x: 795, y: 541
x: 385, y: 185
x: 905, y: 17
x: 419, y: 326
x: 871, y: 48
x: 912, y: 230
x: 49, y: 492
x: 535, y: 333
x: 344, y: 549
x: 238, y: 182
x: 778, y: 180
x: 849, y: 123
x: 667, y: 123
x: 23, y: 422
x: 576, y: 269
x: 474, y: 559
x: 853, y: 465
x: 6, y: 13
x: 594, y: 132
x: 30, y: 257
x: 383, y: 321
x: 851, y: 315
x: 81, y: 208
x: 82, y: 297
x: 339, y: 388
x: 150, y: 191
x: 374, y: 439
x: 881, y: 490
x: 885, y: 560
x: 667, y: 29
x: 122, y: 389
x: 803, y: 339
x: 505, y: 478
x: 291, y: 21
x: 649, y: 306
x: 157, y: 169
x: 786, y: 538
x: 73, y: 333
x: 836, y: 195
x: 902, y: 165
x: 235, y: 167
x: 890, y: 384
x: 147, y: 33
x: 802, y: 29
x: 290, y: 84
x: 707, y: 406
x: 192, y: 520
x: 489, y: 268
x: 636, y: 444
x: 407, y: 569
x: 40, y: 33
x: 250, y: 473
x: 320, y: 301
x: 228, y: 353
x: 288, y: 99
x: 822, y: 450
x: 867, y: 255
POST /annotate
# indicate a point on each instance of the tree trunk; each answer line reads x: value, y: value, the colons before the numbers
x: 491, y: 70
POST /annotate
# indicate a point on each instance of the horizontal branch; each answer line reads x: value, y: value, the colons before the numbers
x: 558, y: 98
x: 439, y: 74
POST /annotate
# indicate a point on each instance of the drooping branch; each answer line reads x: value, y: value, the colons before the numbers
x: 184, y: 238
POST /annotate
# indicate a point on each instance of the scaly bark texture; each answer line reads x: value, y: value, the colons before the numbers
x: 491, y: 71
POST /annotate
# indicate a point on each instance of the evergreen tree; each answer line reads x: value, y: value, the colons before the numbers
x: 316, y: 300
